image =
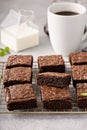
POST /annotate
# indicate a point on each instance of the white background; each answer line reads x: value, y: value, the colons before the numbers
x: 38, y: 122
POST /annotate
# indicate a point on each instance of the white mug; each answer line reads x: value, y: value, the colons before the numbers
x: 66, y: 31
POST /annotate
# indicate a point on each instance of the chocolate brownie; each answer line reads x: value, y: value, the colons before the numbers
x: 17, y: 75
x: 79, y: 58
x: 53, y: 79
x: 79, y: 74
x: 56, y: 98
x: 82, y: 95
x: 52, y: 63
x: 19, y: 61
x: 20, y: 96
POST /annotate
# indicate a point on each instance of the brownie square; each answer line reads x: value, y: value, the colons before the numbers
x: 79, y: 58
x: 20, y: 96
x: 56, y: 98
x: 52, y: 63
x: 19, y: 61
x: 79, y: 74
x: 82, y: 95
x: 17, y: 75
x: 53, y: 79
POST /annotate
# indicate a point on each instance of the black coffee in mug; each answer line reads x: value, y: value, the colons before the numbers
x: 66, y: 13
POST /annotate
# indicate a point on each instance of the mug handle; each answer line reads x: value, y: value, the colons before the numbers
x: 84, y: 37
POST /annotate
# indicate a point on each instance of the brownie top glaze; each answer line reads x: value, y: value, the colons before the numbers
x: 81, y: 90
x: 78, y: 58
x: 79, y: 72
x: 19, y: 60
x: 53, y: 93
x: 52, y: 60
x: 54, y: 74
x: 18, y: 74
x: 19, y: 93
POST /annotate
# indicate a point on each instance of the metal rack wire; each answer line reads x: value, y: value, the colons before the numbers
x: 39, y: 109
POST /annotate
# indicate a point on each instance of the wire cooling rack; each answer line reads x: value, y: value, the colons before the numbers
x: 39, y: 109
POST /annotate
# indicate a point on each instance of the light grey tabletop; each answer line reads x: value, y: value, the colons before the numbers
x: 35, y: 121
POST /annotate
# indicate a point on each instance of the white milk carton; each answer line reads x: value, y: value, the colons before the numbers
x: 20, y: 33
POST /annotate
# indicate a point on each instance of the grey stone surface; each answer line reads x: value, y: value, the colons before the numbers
x: 43, y: 122
x: 35, y: 121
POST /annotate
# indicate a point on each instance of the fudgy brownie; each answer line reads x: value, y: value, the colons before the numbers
x: 79, y: 74
x: 52, y: 63
x: 56, y: 98
x: 20, y: 96
x: 79, y: 58
x: 19, y: 61
x: 82, y: 95
x: 53, y: 79
x: 17, y: 75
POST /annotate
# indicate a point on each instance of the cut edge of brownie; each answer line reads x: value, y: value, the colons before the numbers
x: 75, y: 82
x: 59, y: 68
x: 18, y: 65
x: 21, y: 105
x: 53, y: 80
x: 57, y: 105
x: 9, y: 83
